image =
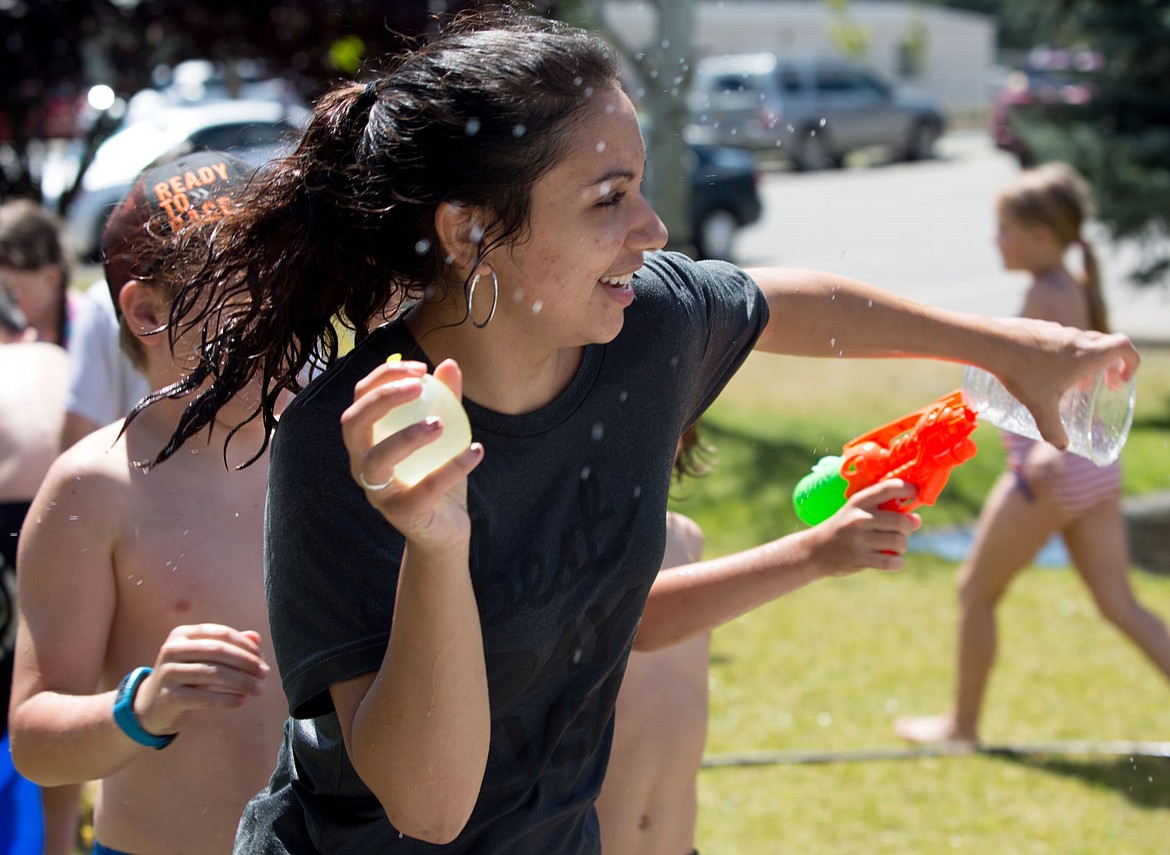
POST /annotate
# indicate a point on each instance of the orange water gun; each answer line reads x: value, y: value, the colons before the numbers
x: 921, y: 448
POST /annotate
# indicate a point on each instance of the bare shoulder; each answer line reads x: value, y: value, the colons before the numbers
x: 684, y: 539
x: 99, y: 454
x: 32, y: 393
x: 1061, y: 301
x: 38, y: 356
x: 33, y: 382
x: 86, y: 485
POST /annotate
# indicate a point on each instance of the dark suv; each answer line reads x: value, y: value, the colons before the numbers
x: 813, y: 110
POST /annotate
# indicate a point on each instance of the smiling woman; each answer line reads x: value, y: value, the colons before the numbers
x: 452, y: 649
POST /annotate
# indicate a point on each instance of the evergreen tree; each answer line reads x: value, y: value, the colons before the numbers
x: 1120, y: 139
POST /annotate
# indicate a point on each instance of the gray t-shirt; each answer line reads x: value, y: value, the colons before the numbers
x: 568, y: 513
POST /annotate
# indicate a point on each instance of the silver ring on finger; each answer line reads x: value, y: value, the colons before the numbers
x: 373, y: 488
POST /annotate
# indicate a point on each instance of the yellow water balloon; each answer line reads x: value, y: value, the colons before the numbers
x: 436, y: 400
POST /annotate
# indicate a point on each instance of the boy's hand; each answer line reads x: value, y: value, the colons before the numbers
x: 200, y: 667
x: 861, y: 535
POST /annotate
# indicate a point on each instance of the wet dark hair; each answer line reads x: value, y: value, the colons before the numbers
x: 694, y: 455
x: 342, y: 231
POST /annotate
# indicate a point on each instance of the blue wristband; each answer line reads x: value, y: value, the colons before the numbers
x: 124, y: 711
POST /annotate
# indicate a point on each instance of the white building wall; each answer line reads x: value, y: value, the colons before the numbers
x: 960, y: 46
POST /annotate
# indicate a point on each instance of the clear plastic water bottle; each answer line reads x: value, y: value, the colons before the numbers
x: 1096, y: 413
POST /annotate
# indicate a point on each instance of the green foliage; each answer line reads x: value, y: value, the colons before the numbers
x: 849, y: 37
x: 1120, y: 140
x: 828, y: 668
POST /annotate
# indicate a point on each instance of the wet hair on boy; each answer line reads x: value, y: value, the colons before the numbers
x: 172, y: 200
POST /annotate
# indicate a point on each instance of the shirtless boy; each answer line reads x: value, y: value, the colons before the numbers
x: 649, y: 802
x: 122, y: 570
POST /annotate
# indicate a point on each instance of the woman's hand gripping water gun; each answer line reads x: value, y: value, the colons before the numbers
x: 920, y: 448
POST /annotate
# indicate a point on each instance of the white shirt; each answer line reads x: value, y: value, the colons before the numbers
x: 103, y: 383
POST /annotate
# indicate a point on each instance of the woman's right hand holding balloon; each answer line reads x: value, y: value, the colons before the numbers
x: 431, y: 513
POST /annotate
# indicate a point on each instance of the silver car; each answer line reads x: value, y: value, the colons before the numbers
x: 812, y: 110
x: 256, y: 130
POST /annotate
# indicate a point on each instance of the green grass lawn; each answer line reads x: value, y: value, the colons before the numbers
x: 827, y: 668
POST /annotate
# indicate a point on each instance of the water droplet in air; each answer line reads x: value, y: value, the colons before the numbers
x: 598, y: 431
x: 537, y: 306
x: 422, y: 247
x: 585, y: 473
x: 519, y: 131
x: 600, y: 147
x: 472, y: 127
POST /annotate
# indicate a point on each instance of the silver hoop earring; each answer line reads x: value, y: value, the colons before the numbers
x: 471, y: 299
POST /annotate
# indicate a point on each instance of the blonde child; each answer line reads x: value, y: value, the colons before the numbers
x: 1045, y: 491
x: 142, y: 616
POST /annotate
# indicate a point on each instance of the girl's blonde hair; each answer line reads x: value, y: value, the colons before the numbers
x: 1057, y: 196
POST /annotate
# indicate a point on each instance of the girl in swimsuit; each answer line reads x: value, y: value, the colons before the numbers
x: 1044, y: 491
